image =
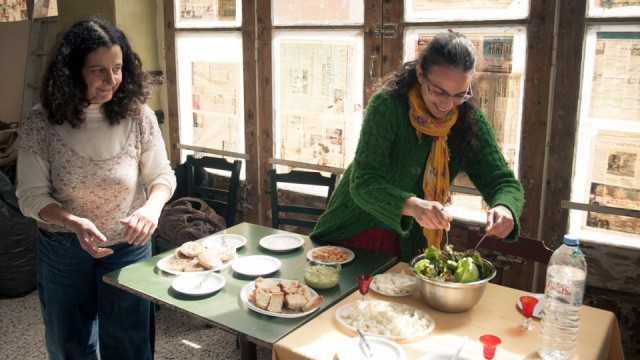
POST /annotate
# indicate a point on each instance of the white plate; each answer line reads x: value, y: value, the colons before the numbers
x: 215, y: 241
x: 442, y: 356
x: 391, y: 318
x: 162, y: 265
x: 381, y: 348
x: 256, y: 265
x: 244, y: 296
x: 187, y: 284
x: 281, y: 242
x: 537, y: 311
x: 350, y: 255
x: 394, y: 284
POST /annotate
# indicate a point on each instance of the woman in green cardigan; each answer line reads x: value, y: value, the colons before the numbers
x: 420, y: 130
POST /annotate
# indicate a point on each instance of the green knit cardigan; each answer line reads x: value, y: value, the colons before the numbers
x: 388, y: 168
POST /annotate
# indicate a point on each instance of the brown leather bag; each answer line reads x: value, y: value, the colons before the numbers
x: 188, y: 219
x: 8, y: 137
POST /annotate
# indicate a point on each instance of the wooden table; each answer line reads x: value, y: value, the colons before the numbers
x: 496, y: 313
x: 224, y: 309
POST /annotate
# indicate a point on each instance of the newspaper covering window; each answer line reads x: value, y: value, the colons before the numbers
x: 13, y: 10
x: 207, y: 13
x: 616, y: 3
x: 211, y: 97
x: 216, y: 113
x: 616, y: 76
x: 615, y: 181
x: 289, y: 12
x: 317, y: 101
x: 45, y: 8
x: 608, y: 142
x: 436, y: 10
x: 495, y: 52
x: 423, y: 5
x: 613, y: 8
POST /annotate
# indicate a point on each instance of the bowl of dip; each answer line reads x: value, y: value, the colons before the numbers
x: 321, y: 276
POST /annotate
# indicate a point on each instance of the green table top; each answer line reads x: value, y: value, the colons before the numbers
x: 225, y: 309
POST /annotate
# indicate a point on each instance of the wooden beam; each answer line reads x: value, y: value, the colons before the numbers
x: 263, y: 136
x: 540, y: 34
x: 563, y: 121
x: 303, y: 165
x: 392, y: 45
x: 171, y: 79
x: 600, y: 209
x: 213, y: 151
x: 372, y: 62
x: 30, y: 8
x: 252, y: 118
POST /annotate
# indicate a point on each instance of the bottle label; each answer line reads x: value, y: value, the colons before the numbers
x: 559, y: 288
x: 570, y: 288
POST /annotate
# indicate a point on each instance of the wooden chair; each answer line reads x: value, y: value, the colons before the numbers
x: 223, y: 199
x: 526, y: 248
x: 298, y: 214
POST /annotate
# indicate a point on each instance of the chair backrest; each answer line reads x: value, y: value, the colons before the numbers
x: 526, y: 247
x: 287, y: 214
x: 222, y: 199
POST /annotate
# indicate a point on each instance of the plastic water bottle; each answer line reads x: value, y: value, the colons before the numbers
x: 563, y: 293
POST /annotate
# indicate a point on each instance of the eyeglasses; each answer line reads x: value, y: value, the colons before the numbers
x: 444, y: 96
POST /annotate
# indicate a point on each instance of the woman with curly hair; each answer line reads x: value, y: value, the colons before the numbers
x: 93, y: 172
x: 420, y: 130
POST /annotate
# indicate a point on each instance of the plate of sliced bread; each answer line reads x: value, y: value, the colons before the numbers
x: 193, y: 257
x: 280, y: 297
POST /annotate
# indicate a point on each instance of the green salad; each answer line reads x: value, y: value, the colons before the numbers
x: 452, y: 266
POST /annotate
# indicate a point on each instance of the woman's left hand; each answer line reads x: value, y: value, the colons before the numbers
x: 140, y: 225
x: 499, y: 222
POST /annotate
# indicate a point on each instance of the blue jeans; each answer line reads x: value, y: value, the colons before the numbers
x: 82, y: 314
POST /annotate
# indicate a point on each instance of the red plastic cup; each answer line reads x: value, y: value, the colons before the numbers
x: 364, y: 280
x: 528, y: 304
x: 489, y: 344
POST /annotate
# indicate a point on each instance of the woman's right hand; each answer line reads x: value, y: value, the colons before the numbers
x: 429, y: 214
x: 88, y: 235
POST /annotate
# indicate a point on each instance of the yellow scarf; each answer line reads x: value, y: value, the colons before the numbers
x: 436, y: 174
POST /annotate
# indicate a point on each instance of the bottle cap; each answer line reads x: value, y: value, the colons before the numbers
x: 571, y: 240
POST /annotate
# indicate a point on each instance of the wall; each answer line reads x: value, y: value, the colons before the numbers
x: 70, y: 11
x: 14, y: 41
x: 137, y: 19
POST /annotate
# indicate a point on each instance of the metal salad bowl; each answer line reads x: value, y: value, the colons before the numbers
x: 451, y: 297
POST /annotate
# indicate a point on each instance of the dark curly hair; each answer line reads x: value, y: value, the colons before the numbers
x: 63, y: 92
x: 451, y: 50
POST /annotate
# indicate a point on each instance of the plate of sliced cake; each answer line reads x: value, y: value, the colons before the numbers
x: 280, y: 297
x: 193, y: 257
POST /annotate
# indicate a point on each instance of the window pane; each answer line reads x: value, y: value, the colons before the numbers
x: 613, y: 8
x: 210, y: 87
x: 465, y: 10
x: 497, y: 88
x: 318, y: 96
x: 13, y: 10
x: 607, y: 167
x: 208, y: 13
x: 45, y: 8
x: 327, y: 12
